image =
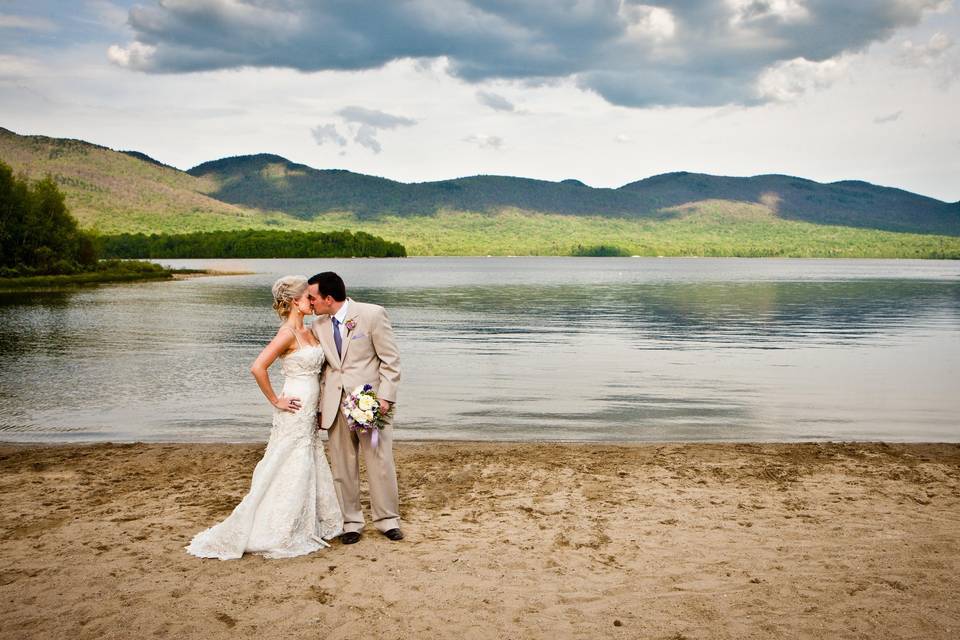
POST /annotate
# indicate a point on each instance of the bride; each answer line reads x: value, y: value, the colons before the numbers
x: 291, y: 508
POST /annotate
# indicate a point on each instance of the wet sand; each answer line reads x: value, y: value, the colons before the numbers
x: 503, y: 541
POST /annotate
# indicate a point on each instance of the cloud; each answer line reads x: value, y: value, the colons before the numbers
x: 373, y: 118
x: 748, y: 12
x: 938, y: 54
x: 890, y: 117
x: 645, y: 22
x: 494, y: 101
x: 365, y: 124
x: 924, y: 55
x: 106, y: 13
x: 632, y: 53
x: 19, y: 67
x: 328, y: 133
x: 30, y: 23
x: 485, y: 141
x: 366, y: 136
x: 789, y: 80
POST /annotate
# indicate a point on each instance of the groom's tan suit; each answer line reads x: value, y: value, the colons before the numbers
x: 368, y: 356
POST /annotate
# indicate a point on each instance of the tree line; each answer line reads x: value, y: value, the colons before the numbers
x: 38, y: 236
x: 250, y: 243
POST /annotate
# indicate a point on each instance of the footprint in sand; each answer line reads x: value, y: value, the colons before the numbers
x: 225, y: 619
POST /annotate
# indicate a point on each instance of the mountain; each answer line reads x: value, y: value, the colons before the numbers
x: 670, y: 214
x: 271, y: 182
x: 847, y: 203
x: 142, y: 156
x: 111, y: 191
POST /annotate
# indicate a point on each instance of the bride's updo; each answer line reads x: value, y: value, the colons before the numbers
x: 285, y: 291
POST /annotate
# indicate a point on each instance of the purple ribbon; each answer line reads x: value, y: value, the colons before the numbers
x: 374, y: 437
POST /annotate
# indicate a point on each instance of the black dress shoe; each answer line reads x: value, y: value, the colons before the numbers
x: 394, y: 534
x: 350, y: 537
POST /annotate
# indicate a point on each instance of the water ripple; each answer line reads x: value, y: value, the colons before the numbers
x: 517, y: 349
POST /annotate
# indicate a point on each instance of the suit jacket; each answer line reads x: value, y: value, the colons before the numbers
x: 370, y: 356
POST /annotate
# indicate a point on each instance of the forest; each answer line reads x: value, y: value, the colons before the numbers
x: 250, y: 243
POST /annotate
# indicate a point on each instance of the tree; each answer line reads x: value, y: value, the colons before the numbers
x: 37, y: 233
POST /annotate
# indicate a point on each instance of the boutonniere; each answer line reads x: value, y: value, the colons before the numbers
x: 350, y: 324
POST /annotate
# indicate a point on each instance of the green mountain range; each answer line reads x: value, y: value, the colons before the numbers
x: 670, y: 214
x: 271, y: 182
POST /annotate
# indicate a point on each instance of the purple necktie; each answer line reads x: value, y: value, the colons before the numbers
x: 336, y: 336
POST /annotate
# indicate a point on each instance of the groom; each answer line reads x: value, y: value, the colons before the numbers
x: 359, y: 349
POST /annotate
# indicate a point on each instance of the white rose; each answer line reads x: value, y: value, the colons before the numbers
x: 359, y: 416
x: 368, y: 416
x: 366, y: 402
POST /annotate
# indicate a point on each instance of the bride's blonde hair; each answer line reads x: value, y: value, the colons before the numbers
x: 285, y: 291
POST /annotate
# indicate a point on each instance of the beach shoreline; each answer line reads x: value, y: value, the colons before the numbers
x: 511, y: 540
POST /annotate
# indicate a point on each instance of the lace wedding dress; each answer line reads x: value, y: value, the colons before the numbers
x: 291, y: 508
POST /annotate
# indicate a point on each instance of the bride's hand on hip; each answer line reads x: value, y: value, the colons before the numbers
x: 289, y: 404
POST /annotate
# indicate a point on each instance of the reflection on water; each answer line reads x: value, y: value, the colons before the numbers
x: 566, y: 349
x: 747, y: 315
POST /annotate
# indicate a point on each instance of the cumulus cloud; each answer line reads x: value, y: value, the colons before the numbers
x: 494, y: 101
x: 746, y: 12
x: 890, y: 117
x: 924, y: 55
x: 631, y: 52
x: 937, y: 54
x: 789, y: 80
x: 485, y: 141
x: 135, y: 55
x: 647, y: 23
x: 365, y: 124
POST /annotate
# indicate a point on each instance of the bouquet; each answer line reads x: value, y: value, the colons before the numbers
x: 361, y: 408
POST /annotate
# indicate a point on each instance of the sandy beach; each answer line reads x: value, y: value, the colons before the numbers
x: 503, y: 541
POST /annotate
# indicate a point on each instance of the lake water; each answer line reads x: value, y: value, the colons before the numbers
x: 607, y: 349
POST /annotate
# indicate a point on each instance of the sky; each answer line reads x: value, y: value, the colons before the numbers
x: 604, y: 91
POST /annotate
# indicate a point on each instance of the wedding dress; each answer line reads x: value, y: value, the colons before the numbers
x: 291, y: 508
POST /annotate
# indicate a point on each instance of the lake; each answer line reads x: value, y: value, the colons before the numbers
x: 567, y: 349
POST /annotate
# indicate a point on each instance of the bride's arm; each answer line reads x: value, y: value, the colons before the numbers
x: 277, y: 347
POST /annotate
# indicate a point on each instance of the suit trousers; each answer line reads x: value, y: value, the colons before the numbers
x: 344, y: 448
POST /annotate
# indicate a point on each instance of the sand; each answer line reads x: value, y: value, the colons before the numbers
x: 503, y: 541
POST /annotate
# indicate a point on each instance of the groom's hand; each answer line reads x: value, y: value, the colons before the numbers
x: 384, y: 407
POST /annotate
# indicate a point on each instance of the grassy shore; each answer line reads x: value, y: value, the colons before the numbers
x: 110, y: 271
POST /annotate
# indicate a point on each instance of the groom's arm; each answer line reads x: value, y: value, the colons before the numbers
x: 389, y: 356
